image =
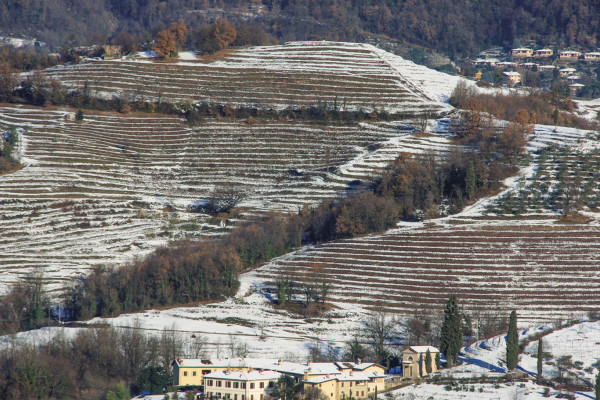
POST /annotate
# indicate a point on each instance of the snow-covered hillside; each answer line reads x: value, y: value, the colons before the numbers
x: 349, y: 76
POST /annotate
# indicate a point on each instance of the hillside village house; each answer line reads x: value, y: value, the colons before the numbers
x: 513, y: 77
x: 543, y: 53
x: 569, y: 55
x: 522, y: 53
x: 591, y: 57
x: 546, y: 68
x: 567, y: 71
x: 413, y: 361
x: 240, y: 385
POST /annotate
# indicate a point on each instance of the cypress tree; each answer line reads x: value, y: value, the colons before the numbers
x: 540, y: 358
x: 428, y: 362
x: 451, y: 334
x: 437, y: 361
x: 512, y: 342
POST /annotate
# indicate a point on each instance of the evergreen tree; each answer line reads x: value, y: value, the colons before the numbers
x: 540, y: 358
x: 428, y: 362
x: 285, y: 388
x: 470, y: 180
x: 451, y: 334
x: 437, y: 361
x: 512, y: 342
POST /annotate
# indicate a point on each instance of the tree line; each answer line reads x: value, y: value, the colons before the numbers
x: 450, y: 27
x: 91, y: 362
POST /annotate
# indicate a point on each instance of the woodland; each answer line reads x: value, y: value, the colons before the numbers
x: 453, y: 28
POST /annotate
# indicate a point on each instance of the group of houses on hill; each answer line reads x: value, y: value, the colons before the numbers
x: 514, y: 64
x: 255, y: 379
x: 566, y: 55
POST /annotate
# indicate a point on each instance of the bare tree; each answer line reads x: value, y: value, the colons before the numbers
x: 418, y: 328
x: 134, y: 345
x: 171, y: 346
x: 197, y: 346
x: 380, y: 329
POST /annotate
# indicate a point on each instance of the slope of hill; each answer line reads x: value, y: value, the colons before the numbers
x: 489, y: 259
x: 348, y: 76
x: 111, y: 187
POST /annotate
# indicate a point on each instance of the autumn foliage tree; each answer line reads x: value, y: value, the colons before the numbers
x: 169, y: 41
x: 215, y: 37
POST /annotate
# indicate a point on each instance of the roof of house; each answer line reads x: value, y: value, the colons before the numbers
x: 422, y: 349
x: 292, y: 368
x: 345, y: 376
x: 363, y: 366
x: 511, y: 73
x: 253, y: 375
x: 522, y: 49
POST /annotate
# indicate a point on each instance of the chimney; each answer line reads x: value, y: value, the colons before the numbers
x: 351, y: 373
x: 308, y: 363
x: 359, y: 361
x: 278, y: 362
x: 261, y: 371
x: 228, y: 371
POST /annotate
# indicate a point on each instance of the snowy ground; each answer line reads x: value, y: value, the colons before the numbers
x: 503, y: 391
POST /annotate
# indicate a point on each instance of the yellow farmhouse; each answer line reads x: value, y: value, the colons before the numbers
x: 240, y: 385
x: 348, y: 384
x: 192, y: 372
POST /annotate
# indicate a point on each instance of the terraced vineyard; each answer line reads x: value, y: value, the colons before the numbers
x: 352, y: 76
x: 544, y: 271
x: 111, y: 187
x: 492, y: 259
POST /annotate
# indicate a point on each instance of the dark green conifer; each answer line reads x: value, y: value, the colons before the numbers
x: 428, y: 362
x: 540, y: 359
x: 451, y: 334
x: 512, y: 343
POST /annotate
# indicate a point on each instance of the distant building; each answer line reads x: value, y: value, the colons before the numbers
x: 413, y: 361
x: 574, y: 88
x: 567, y: 71
x: 543, y: 53
x: 513, y: 77
x: 522, y: 53
x: 569, y: 55
x: 547, y: 68
x: 528, y: 65
x: 490, y: 62
x: 592, y: 57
